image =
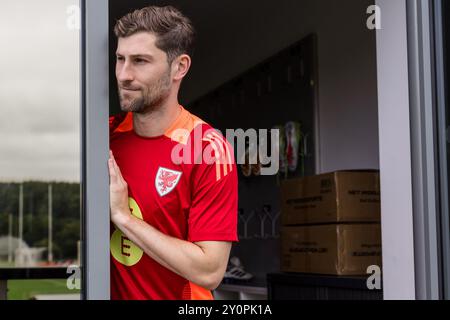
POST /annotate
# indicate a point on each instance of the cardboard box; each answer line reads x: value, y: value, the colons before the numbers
x: 337, y: 249
x: 337, y: 197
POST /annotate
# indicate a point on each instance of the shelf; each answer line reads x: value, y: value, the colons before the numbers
x: 318, y: 280
x: 255, y: 289
x: 243, y: 288
x: 302, y: 286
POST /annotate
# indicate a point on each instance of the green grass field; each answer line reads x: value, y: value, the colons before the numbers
x: 26, y: 289
x: 5, y: 264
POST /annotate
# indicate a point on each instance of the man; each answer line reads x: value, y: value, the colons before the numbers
x: 173, y: 181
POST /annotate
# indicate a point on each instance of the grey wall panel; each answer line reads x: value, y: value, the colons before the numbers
x: 95, y: 150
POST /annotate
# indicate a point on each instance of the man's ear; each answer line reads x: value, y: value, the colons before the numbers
x: 181, y: 66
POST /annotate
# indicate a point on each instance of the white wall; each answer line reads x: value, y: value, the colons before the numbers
x: 347, y: 64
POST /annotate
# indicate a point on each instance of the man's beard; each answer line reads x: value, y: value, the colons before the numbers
x: 152, y: 96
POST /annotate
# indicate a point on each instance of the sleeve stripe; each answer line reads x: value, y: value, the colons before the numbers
x: 227, y: 149
x: 222, y: 155
x: 223, y: 159
x: 217, y: 162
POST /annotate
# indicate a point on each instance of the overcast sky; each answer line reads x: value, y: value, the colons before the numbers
x: 39, y: 91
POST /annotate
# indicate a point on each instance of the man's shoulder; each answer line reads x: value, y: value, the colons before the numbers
x: 190, y: 127
x: 200, y: 131
x: 121, y: 122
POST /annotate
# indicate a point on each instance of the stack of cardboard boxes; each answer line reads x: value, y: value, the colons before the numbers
x: 331, y: 223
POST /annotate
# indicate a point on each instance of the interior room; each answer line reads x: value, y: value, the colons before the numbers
x: 268, y: 64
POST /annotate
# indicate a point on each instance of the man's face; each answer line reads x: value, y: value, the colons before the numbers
x: 143, y: 74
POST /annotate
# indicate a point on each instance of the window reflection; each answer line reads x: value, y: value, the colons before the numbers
x: 39, y: 129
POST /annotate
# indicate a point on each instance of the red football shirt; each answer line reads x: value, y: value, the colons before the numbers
x: 183, y: 183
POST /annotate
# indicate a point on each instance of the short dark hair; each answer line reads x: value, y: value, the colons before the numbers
x: 174, y: 31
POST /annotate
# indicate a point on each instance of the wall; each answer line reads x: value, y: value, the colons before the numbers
x: 233, y: 39
x: 233, y: 36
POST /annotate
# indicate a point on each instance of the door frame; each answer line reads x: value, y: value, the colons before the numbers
x: 406, y: 110
x: 95, y: 150
x: 407, y: 94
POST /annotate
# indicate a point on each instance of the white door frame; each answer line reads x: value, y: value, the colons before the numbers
x: 395, y: 152
x: 406, y: 108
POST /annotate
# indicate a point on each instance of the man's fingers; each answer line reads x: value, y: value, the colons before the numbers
x: 112, y: 171
x: 118, y: 172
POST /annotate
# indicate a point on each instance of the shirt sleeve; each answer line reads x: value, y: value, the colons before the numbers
x: 214, y: 206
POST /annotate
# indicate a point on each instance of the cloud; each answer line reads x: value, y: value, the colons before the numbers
x: 39, y: 92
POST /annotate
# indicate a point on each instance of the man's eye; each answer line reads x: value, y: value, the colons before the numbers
x: 140, y: 61
x: 120, y: 59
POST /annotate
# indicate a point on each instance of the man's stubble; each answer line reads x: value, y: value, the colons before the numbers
x: 152, y: 96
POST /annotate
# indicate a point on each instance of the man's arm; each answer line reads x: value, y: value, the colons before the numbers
x: 203, y: 263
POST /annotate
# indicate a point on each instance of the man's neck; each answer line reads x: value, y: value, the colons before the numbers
x: 156, y: 122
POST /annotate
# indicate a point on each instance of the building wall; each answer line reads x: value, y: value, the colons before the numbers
x: 232, y: 39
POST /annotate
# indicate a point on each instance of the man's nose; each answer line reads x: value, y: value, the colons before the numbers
x: 124, y: 73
